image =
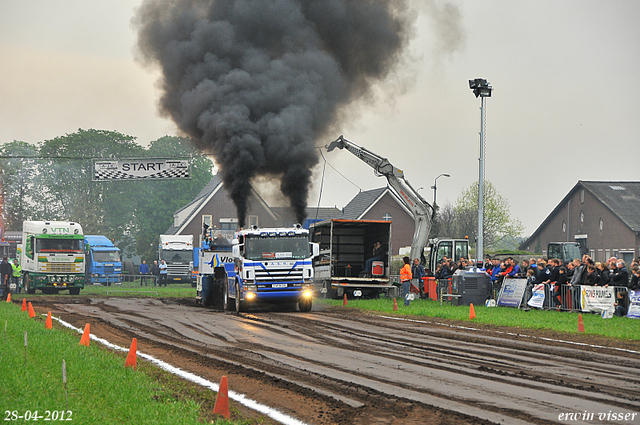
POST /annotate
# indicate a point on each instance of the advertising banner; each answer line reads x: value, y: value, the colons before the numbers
x: 537, y: 298
x: 140, y: 168
x: 634, y: 305
x: 511, y: 292
x: 596, y: 298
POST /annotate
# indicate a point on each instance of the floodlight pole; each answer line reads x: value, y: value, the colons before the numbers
x: 480, y: 243
x: 482, y: 89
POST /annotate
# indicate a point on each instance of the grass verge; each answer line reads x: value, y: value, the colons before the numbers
x: 616, y: 327
x: 100, y: 389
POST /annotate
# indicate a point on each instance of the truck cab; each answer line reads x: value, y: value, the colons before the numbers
x: 565, y: 251
x: 103, y: 262
x: 261, y: 265
x: 177, y: 252
x: 52, y: 257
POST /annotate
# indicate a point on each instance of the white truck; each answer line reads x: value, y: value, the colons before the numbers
x: 261, y: 265
x: 52, y: 257
x: 177, y: 252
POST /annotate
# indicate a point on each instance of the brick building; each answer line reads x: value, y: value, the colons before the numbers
x: 602, y: 216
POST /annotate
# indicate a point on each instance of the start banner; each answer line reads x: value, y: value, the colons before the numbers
x: 140, y: 168
x: 596, y: 298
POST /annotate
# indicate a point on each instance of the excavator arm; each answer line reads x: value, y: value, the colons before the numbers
x: 421, y: 210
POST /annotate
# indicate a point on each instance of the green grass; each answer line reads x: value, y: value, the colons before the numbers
x: 100, y: 389
x: 616, y: 327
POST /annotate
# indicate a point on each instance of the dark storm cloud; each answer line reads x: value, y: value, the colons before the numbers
x: 255, y: 81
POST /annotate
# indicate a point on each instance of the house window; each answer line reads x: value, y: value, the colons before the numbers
x: 386, y: 217
x: 229, y: 224
x: 206, y: 220
x: 564, y: 226
x: 601, y: 223
x: 581, y: 217
x: 582, y: 196
x: 253, y: 220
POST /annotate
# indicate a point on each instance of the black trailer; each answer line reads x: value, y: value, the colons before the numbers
x: 345, y: 247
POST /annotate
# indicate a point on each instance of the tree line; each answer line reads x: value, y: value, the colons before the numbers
x: 52, y: 180
x: 501, y: 230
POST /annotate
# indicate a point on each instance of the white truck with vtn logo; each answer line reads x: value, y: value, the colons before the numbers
x: 52, y: 257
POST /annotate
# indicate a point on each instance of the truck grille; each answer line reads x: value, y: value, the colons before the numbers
x: 178, y: 270
x: 278, y: 274
x: 108, y: 269
x: 60, y: 268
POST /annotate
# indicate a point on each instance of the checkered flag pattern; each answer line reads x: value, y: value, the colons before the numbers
x: 175, y: 173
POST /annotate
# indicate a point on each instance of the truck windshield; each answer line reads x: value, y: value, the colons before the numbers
x: 106, y: 256
x: 290, y: 247
x: 565, y: 252
x: 59, y: 245
x: 177, y: 256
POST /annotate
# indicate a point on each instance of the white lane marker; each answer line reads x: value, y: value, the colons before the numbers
x: 240, y: 398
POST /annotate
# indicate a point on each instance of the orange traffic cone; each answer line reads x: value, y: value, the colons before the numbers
x: 472, y: 312
x: 580, y: 323
x: 345, y: 300
x: 47, y: 323
x: 132, y: 357
x: 24, y: 304
x: 85, y: 336
x: 222, y: 399
x: 32, y: 312
x: 9, y: 297
x: 395, y: 305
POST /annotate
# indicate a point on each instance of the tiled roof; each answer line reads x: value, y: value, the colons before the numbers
x: 361, y: 203
x: 188, y: 210
x: 622, y: 198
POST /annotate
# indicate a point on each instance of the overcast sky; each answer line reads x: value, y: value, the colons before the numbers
x: 565, y: 106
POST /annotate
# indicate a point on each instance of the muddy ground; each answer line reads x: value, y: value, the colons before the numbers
x: 343, y: 366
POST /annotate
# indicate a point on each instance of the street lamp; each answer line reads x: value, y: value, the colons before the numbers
x: 482, y: 89
x: 435, y: 187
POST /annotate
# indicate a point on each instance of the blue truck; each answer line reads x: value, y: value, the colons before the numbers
x: 260, y: 266
x: 103, y: 262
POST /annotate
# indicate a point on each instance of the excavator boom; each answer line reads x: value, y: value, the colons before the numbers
x: 421, y: 210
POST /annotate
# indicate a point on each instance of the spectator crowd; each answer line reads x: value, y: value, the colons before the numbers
x: 565, y: 279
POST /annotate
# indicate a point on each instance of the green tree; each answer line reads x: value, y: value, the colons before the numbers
x: 158, y: 200
x: 66, y: 187
x: 498, y: 224
x: 18, y: 167
x: 53, y: 181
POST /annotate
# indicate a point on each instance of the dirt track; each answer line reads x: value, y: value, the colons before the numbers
x: 340, y: 366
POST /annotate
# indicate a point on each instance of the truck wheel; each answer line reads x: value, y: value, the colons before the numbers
x: 330, y: 293
x: 74, y: 291
x: 208, y: 297
x: 227, y: 303
x: 305, y: 305
x: 238, y: 306
x: 25, y: 283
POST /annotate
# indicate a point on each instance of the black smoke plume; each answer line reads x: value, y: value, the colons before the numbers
x: 255, y: 81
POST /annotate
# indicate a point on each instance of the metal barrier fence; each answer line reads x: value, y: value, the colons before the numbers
x: 134, y: 284
x: 565, y: 298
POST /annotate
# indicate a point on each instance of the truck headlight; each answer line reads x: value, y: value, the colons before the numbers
x: 250, y: 296
x: 250, y: 287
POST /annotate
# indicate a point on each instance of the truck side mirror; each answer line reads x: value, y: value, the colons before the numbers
x: 315, y: 249
x: 236, y: 251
